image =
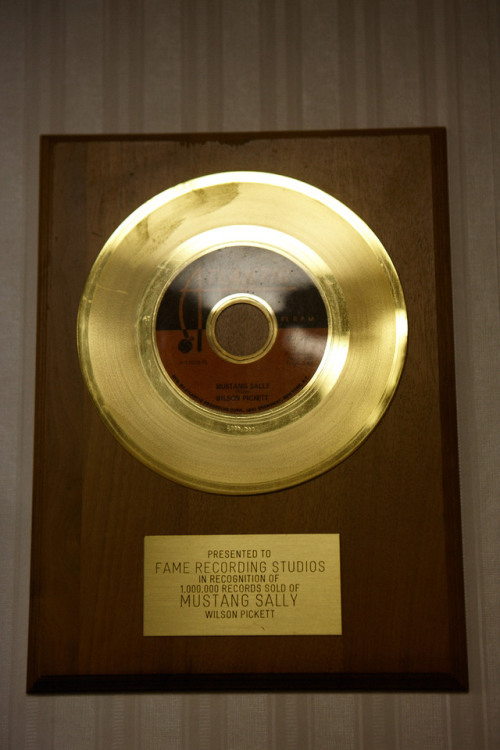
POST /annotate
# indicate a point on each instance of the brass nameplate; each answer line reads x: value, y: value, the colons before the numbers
x: 258, y: 584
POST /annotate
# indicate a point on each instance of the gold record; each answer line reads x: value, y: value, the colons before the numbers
x: 242, y: 332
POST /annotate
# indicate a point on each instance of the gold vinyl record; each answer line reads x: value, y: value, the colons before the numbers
x: 242, y: 332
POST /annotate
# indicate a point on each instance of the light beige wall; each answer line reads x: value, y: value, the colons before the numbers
x: 94, y: 66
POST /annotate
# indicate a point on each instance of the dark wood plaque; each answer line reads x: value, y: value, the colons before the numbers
x: 394, y: 502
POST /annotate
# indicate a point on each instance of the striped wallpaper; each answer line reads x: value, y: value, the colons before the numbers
x: 134, y: 66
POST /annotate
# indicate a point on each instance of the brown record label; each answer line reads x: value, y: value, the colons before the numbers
x: 241, y: 329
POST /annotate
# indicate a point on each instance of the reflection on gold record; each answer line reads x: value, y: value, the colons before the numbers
x: 242, y: 332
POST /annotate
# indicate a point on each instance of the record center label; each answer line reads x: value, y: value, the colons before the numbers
x: 197, y: 367
x: 259, y: 584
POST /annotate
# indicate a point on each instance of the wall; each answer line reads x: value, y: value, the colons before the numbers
x: 121, y: 66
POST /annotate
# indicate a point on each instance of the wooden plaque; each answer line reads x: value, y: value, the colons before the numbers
x: 394, y: 503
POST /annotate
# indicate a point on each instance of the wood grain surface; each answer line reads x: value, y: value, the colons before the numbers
x: 394, y: 502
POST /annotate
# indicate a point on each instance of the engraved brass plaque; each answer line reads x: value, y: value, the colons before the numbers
x: 258, y: 584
